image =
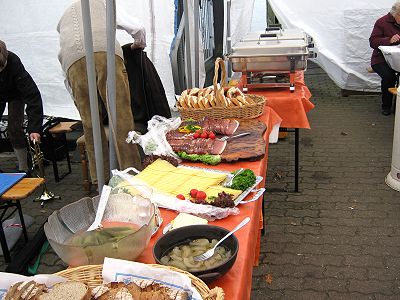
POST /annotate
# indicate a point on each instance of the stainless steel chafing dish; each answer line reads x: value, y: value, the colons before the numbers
x: 270, y: 58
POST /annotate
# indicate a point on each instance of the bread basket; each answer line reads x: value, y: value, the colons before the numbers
x: 91, y: 274
x: 253, y: 109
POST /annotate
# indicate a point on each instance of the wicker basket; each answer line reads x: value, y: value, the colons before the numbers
x: 248, y: 111
x: 91, y: 274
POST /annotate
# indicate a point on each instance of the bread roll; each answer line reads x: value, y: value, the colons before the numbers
x: 182, y: 102
x: 194, y: 91
x: 242, y: 100
x: 236, y: 102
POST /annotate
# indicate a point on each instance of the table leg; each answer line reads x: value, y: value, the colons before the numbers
x: 4, y: 245
x: 21, y: 218
x: 296, y: 159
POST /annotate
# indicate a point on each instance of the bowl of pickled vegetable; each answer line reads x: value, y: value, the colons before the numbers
x: 178, y: 247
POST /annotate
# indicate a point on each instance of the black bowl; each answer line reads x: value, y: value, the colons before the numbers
x: 184, y: 235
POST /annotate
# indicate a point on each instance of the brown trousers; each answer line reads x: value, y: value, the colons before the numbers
x: 127, y: 154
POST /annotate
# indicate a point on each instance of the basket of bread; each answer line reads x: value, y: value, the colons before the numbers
x: 142, y: 289
x: 86, y: 282
x: 219, y: 101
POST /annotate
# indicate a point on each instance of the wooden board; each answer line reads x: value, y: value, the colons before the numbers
x: 250, y: 147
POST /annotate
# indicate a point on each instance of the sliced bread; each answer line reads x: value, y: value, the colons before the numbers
x: 69, y: 290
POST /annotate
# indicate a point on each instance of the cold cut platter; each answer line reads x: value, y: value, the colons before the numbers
x: 212, y: 141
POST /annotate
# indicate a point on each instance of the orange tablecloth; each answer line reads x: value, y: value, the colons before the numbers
x: 237, y: 282
x: 291, y: 107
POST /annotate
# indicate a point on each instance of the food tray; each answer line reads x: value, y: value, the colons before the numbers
x: 244, y: 194
x: 91, y: 275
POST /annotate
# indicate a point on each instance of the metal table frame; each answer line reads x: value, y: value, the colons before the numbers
x: 296, y: 157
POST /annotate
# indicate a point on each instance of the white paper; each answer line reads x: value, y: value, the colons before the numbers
x: 7, y: 279
x: 274, y: 134
x: 117, y: 270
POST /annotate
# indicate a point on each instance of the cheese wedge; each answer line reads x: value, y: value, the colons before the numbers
x: 184, y: 219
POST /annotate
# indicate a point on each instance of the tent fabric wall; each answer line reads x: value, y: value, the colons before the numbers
x: 29, y: 29
x: 341, y: 30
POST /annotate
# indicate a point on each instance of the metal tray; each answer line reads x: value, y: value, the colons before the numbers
x: 244, y: 194
x: 284, y: 34
x: 271, y: 47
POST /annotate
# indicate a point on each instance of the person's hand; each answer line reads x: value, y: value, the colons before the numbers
x: 395, y: 39
x: 34, y: 136
x: 138, y: 46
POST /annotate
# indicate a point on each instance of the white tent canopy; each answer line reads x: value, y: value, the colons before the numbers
x: 29, y: 29
x: 341, y: 30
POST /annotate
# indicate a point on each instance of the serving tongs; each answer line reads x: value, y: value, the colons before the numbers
x: 229, y: 182
x: 230, y: 137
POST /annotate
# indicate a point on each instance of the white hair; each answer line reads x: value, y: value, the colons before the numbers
x: 395, y: 10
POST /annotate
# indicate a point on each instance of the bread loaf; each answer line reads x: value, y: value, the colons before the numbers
x: 30, y: 290
x: 141, y: 289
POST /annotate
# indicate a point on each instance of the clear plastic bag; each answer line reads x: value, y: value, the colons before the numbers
x: 124, y: 182
x: 154, y: 141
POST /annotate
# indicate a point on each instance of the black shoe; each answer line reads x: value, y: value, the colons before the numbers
x: 386, y: 111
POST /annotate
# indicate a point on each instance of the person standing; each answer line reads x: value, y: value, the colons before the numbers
x: 386, y: 32
x: 73, y: 62
x: 18, y: 89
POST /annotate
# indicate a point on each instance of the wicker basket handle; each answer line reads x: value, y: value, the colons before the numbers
x: 219, y: 92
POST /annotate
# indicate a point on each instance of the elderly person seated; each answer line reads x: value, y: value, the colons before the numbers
x: 386, y: 32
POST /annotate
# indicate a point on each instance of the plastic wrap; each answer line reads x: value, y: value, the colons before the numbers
x: 124, y: 182
x: 154, y: 141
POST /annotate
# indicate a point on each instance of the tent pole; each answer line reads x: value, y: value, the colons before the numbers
x: 111, y: 92
x: 94, y: 107
x: 228, y: 37
x: 188, y: 57
x: 196, y: 43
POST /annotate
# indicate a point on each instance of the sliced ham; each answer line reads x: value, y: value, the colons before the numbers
x: 176, y: 135
x: 222, y: 126
x: 198, y: 146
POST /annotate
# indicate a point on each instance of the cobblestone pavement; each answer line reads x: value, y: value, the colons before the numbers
x: 338, y: 238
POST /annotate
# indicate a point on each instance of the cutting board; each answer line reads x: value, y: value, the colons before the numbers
x: 250, y: 147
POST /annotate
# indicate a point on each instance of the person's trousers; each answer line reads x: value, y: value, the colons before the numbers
x: 389, y: 79
x: 15, y: 128
x: 127, y: 154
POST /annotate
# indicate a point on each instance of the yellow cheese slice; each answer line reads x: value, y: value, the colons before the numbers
x: 184, y: 219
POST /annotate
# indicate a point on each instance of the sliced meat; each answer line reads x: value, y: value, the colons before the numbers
x: 198, y: 146
x: 232, y: 127
x: 176, y: 135
x: 222, y: 126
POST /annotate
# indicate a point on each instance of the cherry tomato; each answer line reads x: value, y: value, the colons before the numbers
x: 201, y: 195
x: 193, y: 193
x: 196, y: 135
x: 181, y: 197
x: 204, y: 135
x: 211, y: 135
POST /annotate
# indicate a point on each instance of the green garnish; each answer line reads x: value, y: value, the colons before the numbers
x: 207, y: 159
x: 244, y: 180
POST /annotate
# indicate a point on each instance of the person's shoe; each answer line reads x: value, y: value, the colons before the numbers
x: 386, y: 111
